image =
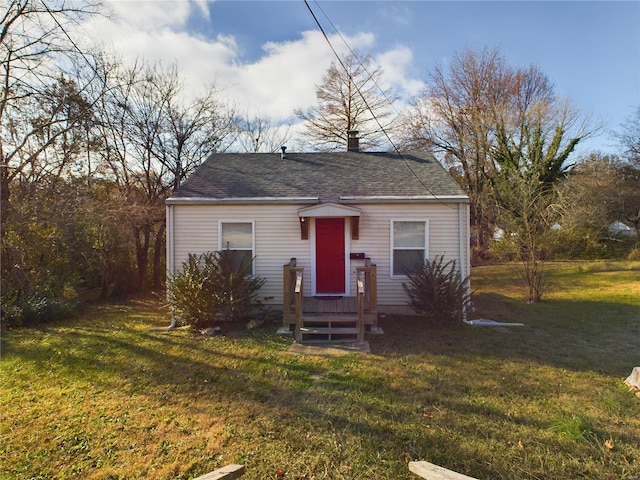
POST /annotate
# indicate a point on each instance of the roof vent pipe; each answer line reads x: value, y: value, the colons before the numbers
x: 353, y: 141
x: 283, y: 148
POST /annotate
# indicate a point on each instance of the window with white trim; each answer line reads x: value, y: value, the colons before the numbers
x: 237, y: 237
x: 408, y: 245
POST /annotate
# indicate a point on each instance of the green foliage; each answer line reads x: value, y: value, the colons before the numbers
x: 436, y: 291
x: 59, y: 237
x: 574, y: 428
x: 213, y: 286
x: 38, y: 307
x: 584, y: 243
x: 530, y: 166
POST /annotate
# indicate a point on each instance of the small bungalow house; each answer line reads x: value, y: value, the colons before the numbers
x: 330, y: 232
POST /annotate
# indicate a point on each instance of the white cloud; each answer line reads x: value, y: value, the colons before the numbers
x: 283, y: 79
x: 397, y: 65
x: 151, y: 15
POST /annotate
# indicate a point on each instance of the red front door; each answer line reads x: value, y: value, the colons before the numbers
x: 330, y: 260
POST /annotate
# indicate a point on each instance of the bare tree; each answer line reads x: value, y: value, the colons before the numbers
x: 36, y: 51
x: 455, y: 117
x: 48, y: 89
x: 153, y: 137
x: 589, y: 200
x: 190, y: 129
x: 467, y: 107
x: 629, y: 138
x: 350, y: 98
x: 260, y: 134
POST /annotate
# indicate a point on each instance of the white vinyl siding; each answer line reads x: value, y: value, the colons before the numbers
x: 443, y: 238
x: 276, y: 231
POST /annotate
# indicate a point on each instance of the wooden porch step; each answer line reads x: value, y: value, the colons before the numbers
x: 336, y: 326
x: 346, y: 318
x: 369, y: 318
x: 328, y: 331
x: 329, y: 340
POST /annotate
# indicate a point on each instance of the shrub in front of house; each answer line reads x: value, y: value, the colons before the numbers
x: 437, y: 292
x: 213, y: 287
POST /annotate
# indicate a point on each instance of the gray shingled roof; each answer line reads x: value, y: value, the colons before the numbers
x: 327, y: 176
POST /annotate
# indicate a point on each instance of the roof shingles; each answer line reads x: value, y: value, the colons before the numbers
x: 328, y: 176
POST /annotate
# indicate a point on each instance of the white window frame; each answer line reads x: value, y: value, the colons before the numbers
x: 391, y: 243
x: 253, y: 239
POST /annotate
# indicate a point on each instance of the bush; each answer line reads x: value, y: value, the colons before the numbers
x: 211, y: 287
x: 20, y: 310
x: 11, y: 313
x: 437, y: 292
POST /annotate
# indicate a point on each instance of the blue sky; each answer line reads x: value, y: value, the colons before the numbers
x: 268, y: 55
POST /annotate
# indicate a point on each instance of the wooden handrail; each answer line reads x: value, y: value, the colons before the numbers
x: 360, y: 283
x: 372, y: 280
x: 370, y: 272
x: 289, y: 271
x: 298, y: 298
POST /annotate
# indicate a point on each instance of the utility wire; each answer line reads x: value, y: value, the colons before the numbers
x: 395, y: 148
x: 361, y: 64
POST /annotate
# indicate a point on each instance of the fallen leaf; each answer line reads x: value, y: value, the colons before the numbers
x: 609, y: 444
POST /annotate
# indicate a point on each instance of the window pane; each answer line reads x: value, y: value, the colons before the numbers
x: 408, y: 234
x: 241, y: 259
x: 407, y: 259
x: 236, y: 235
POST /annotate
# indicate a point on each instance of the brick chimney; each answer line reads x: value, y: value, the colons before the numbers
x: 353, y: 142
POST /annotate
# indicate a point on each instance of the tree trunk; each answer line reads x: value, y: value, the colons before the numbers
x: 158, y: 252
x: 142, y: 235
x: 4, y: 198
x: 4, y: 211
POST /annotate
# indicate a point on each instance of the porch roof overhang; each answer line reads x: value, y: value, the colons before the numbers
x: 329, y: 210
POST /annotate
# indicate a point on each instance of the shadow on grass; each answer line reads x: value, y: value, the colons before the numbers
x: 442, y: 394
x: 602, y: 337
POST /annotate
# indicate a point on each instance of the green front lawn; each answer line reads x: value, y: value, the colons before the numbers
x: 110, y: 395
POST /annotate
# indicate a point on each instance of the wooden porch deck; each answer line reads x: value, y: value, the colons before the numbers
x: 324, y: 305
x: 338, y: 307
x: 327, y: 318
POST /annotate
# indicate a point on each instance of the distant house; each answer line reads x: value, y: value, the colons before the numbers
x: 330, y: 218
x: 621, y: 229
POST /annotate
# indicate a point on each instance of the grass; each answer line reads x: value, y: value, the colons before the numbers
x: 109, y: 395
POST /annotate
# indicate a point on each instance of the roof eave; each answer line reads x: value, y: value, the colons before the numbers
x: 406, y: 199
x: 239, y: 200
x: 307, y: 200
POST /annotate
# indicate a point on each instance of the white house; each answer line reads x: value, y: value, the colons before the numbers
x: 335, y: 213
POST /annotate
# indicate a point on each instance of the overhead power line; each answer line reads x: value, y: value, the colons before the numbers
x: 382, y: 129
